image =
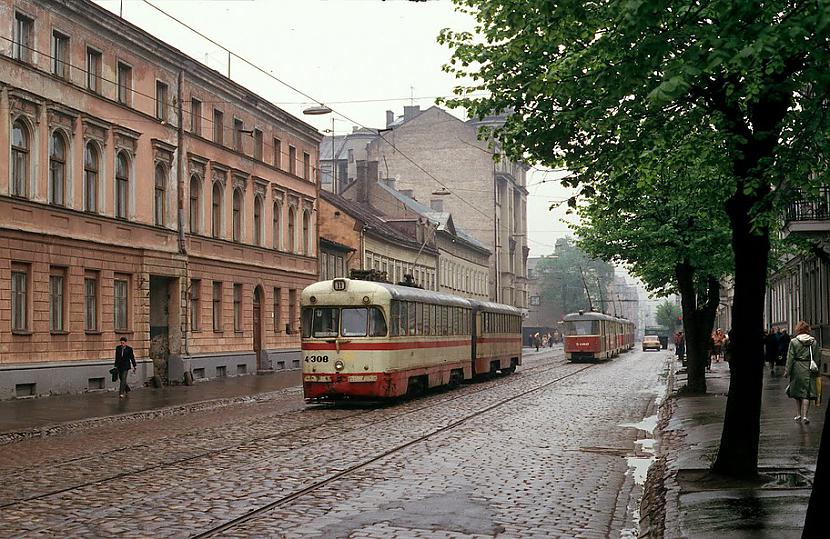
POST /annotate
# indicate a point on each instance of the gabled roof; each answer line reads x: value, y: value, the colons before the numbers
x: 373, y: 224
x: 442, y: 219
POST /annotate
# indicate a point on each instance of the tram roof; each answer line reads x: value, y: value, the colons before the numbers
x: 401, y: 293
x: 496, y: 307
x: 594, y: 316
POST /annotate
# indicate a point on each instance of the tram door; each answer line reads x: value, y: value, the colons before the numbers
x: 477, y: 332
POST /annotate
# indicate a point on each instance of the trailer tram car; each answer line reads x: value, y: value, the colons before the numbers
x: 596, y: 336
x: 371, y: 340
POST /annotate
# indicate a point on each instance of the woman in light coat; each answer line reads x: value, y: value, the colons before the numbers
x: 802, y: 388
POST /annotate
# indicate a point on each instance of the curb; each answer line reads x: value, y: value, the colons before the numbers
x: 10, y: 437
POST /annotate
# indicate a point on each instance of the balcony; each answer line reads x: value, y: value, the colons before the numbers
x: 809, y: 216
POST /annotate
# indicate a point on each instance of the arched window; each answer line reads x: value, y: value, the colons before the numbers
x: 277, y: 231
x: 291, y: 239
x: 258, y: 221
x: 237, y: 215
x: 20, y: 159
x: 195, y: 193
x: 216, y: 211
x: 57, y: 169
x: 306, y: 246
x: 160, y: 194
x: 122, y: 185
x: 91, y: 166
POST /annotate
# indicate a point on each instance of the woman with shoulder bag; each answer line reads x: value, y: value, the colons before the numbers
x: 802, y: 368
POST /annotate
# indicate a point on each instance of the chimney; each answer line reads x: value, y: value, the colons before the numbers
x: 390, y: 118
x: 409, y: 111
x: 390, y: 182
x: 362, y: 181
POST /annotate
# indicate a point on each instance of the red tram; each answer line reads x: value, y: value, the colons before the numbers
x: 596, y: 336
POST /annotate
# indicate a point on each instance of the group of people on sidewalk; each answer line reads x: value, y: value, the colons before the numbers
x: 545, y: 340
x: 776, y: 344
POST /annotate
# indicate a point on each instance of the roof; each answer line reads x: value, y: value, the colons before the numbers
x: 592, y: 316
x: 325, y: 291
x: 373, y: 224
x: 343, y: 143
x: 331, y: 244
x: 442, y: 219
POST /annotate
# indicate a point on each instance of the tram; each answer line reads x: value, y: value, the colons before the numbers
x: 373, y: 340
x: 596, y: 336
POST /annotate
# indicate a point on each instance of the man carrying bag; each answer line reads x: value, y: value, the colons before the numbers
x: 124, y: 358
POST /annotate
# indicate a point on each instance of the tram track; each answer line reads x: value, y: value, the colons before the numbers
x: 445, y: 398
x: 254, y: 513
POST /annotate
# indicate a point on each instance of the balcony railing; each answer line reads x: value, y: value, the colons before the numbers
x: 812, y: 209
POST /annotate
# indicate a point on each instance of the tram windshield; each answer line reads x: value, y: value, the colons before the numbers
x: 582, y: 327
x: 324, y: 322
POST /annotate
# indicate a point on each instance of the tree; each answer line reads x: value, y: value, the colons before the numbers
x: 595, y: 85
x: 669, y: 315
x: 565, y: 276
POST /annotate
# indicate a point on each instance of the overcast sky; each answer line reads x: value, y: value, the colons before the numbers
x: 360, y: 57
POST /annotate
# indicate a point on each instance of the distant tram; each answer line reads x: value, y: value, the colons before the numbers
x: 596, y: 336
x: 371, y: 340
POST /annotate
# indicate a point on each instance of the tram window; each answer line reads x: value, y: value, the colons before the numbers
x: 582, y: 327
x: 394, y: 318
x: 412, y: 318
x: 433, y: 325
x: 427, y: 321
x: 306, y: 322
x: 353, y: 322
x: 419, y: 316
x: 325, y: 322
x: 377, y: 324
x: 404, y: 324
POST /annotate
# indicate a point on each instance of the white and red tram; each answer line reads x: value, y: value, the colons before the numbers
x: 594, y: 335
x: 370, y: 340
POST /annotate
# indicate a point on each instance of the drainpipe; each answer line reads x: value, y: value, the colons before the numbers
x: 496, y: 251
x: 180, y: 172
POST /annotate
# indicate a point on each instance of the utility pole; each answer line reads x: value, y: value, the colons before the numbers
x: 587, y: 292
x: 601, y: 297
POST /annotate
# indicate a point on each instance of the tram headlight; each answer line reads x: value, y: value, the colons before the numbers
x: 338, y: 365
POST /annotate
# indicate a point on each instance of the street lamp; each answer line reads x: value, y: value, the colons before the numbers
x: 319, y: 110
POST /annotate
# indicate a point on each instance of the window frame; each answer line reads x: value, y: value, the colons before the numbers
x: 216, y: 306
x: 60, y: 54
x: 277, y: 309
x: 162, y: 95
x: 58, y: 166
x: 22, y: 46
x: 237, y: 308
x: 122, y: 186
x: 258, y: 235
x: 238, y: 127
x: 92, y: 171
x: 57, y: 299
x: 124, y: 82
x: 196, y: 116
x: 277, y: 153
x: 159, y: 194
x: 218, y: 126
x: 91, y: 301
x: 237, y: 205
x: 258, y: 144
x: 21, y: 163
x: 216, y: 209
x: 121, y: 280
x: 195, y: 204
x: 94, y: 65
x: 195, y: 305
x: 20, y: 300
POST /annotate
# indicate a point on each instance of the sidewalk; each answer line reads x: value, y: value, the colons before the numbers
x: 698, y: 505
x: 26, y: 417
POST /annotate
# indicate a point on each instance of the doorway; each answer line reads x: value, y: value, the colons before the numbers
x: 258, y: 300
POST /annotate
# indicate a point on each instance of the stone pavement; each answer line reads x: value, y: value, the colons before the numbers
x: 36, y: 416
x: 698, y: 504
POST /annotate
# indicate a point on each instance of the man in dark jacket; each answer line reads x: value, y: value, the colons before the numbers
x: 771, y: 348
x: 124, y: 359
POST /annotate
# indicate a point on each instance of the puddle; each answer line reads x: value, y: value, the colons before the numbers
x: 648, y: 424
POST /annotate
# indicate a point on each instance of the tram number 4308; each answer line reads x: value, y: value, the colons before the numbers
x: 317, y: 359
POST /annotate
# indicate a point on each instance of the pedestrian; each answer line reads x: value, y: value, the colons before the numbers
x: 711, y: 351
x: 803, y: 358
x: 680, y: 347
x: 727, y: 346
x: 124, y: 358
x: 537, y: 340
x: 771, y: 349
x: 550, y: 340
x: 783, y: 346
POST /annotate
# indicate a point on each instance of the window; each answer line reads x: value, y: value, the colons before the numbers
x: 160, y: 194
x: 57, y: 169
x: 91, y: 165
x: 306, y: 166
x: 237, y: 307
x: 122, y: 185
x: 412, y: 318
x: 91, y: 301
x: 258, y: 221
x: 354, y: 322
x: 60, y: 55
x: 277, y: 228
x: 277, y: 309
x: 419, y: 319
x: 218, y: 126
x: 292, y: 160
x: 20, y: 297
x: 237, y: 215
x: 257, y: 144
x: 291, y: 238
x: 93, y: 70
x: 277, y: 153
x: 217, y: 306
x: 195, y: 116
x: 216, y: 211
x: 23, y: 34
x: 20, y: 159
x: 195, y: 304
x: 237, y: 135
x: 57, y: 279
x: 125, y: 83
x: 292, y: 310
x: 325, y: 322
x: 195, y: 193
x: 120, y: 293
x: 582, y: 327
x: 161, y: 101
x: 306, y: 246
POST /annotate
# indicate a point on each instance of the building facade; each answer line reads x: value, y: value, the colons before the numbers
x: 438, y: 160
x: 146, y: 196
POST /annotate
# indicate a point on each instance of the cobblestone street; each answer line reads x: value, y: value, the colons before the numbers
x: 550, y: 451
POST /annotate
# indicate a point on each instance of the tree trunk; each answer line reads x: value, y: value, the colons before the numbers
x: 738, y: 451
x: 697, y: 324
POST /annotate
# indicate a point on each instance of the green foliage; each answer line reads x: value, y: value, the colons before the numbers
x: 668, y: 315
x: 564, y: 277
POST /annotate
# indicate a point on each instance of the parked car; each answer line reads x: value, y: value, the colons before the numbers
x: 651, y: 342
